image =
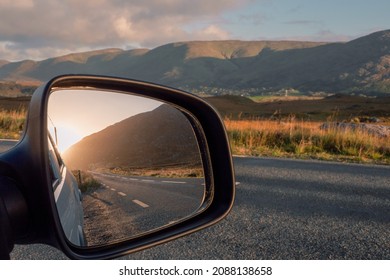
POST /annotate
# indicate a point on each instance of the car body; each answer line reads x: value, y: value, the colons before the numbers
x: 31, y: 211
x: 67, y: 197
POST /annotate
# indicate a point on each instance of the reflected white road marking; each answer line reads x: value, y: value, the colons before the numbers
x: 113, y: 189
x: 121, y: 193
x: 132, y: 179
x: 237, y: 183
x: 140, y: 203
x: 173, y: 182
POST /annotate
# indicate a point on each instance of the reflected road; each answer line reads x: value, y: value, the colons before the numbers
x: 126, y: 206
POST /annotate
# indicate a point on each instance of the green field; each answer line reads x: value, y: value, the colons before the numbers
x: 337, y: 107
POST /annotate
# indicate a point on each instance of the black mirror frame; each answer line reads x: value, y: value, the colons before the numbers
x: 27, y: 164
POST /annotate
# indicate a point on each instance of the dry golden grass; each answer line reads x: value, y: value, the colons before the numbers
x: 305, y: 139
x: 288, y: 138
x: 12, y: 123
x: 167, y: 172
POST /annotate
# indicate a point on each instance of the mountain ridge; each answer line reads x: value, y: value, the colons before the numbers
x: 360, y: 65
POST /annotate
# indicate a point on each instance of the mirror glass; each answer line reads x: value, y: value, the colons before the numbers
x: 121, y: 165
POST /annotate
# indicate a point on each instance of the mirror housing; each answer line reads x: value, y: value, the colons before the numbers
x: 27, y: 165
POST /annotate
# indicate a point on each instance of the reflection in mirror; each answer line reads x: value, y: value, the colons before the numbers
x: 131, y: 162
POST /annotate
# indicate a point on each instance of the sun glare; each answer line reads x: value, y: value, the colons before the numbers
x: 75, y: 114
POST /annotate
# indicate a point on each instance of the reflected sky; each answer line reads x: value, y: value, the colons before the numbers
x: 78, y: 113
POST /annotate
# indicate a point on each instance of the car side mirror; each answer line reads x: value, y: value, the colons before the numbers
x: 112, y: 166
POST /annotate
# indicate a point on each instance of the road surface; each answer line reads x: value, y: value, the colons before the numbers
x: 287, y: 209
x: 126, y: 206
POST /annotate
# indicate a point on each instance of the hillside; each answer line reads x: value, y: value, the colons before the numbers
x: 337, y: 108
x: 125, y: 144
x: 361, y: 65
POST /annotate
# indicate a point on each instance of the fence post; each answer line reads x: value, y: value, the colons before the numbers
x: 79, y: 175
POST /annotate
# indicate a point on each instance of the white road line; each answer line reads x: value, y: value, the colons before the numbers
x: 145, y: 180
x: 132, y: 179
x: 121, y: 193
x: 174, y: 182
x: 140, y: 203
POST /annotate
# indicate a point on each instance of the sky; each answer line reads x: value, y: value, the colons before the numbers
x: 108, y: 109
x: 39, y: 29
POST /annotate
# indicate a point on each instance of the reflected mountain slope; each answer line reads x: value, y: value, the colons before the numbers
x: 159, y: 138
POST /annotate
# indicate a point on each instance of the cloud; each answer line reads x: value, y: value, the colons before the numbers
x: 42, y: 27
x: 21, y: 4
x: 212, y: 32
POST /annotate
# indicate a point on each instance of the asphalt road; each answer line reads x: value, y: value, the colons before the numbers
x: 127, y: 206
x: 287, y: 209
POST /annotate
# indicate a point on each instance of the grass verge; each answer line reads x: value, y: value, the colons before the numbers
x: 12, y: 123
x: 85, y: 181
x: 163, y: 172
x: 288, y: 138
x: 304, y: 139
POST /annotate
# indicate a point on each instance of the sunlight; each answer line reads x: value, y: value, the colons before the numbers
x: 75, y: 114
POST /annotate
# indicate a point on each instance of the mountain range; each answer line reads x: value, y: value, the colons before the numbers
x: 360, y: 66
